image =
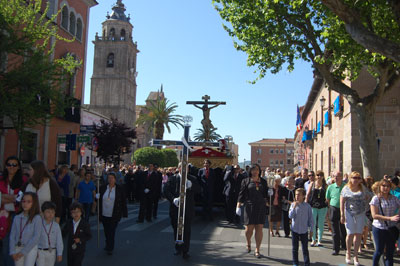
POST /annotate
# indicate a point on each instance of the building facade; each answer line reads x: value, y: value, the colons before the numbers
x: 329, y: 140
x: 143, y: 134
x: 73, y: 22
x: 113, y: 83
x: 273, y: 153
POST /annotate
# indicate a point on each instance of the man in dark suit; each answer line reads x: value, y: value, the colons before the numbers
x: 78, y: 234
x: 233, y: 180
x: 171, y: 192
x: 147, y: 188
x: 207, y: 179
x: 157, y: 190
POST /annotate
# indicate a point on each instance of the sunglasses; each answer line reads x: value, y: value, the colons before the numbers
x: 11, y: 164
x: 26, y: 201
x: 357, y: 177
x: 385, y: 186
x: 310, y: 175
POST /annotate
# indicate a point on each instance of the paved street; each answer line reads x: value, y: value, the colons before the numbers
x: 213, y: 243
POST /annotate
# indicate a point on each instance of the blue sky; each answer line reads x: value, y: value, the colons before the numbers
x: 184, y: 47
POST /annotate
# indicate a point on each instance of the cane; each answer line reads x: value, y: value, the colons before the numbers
x: 270, y: 193
x: 98, y: 213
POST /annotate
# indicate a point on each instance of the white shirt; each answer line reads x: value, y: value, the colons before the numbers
x: 43, y: 192
x: 108, y: 201
x: 76, y: 224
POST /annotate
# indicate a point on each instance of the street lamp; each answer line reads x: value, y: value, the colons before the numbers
x: 322, y: 101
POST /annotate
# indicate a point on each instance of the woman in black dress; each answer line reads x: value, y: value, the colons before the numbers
x: 253, y: 195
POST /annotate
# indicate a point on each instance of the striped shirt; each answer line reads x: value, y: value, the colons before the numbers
x: 389, y: 207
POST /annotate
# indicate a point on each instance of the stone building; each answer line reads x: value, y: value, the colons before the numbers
x: 72, y: 22
x: 329, y: 139
x: 113, y: 84
x: 143, y: 135
x: 273, y: 153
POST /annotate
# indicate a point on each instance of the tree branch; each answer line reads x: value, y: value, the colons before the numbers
x: 361, y: 34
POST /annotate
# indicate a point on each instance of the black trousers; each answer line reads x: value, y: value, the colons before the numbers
x: 286, y: 225
x: 145, y: 209
x: 110, y: 227
x: 338, y: 229
x: 155, y: 206
x: 304, y: 246
x: 186, y: 231
x: 74, y: 258
x: 230, y: 210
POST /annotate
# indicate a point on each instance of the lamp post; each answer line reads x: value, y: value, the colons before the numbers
x: 322, y: 102
x: 98, y: 169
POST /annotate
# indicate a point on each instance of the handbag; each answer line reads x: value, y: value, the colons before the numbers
x: 393, y: 230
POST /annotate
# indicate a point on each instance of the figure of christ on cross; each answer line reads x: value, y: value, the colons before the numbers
x: 207, y: 106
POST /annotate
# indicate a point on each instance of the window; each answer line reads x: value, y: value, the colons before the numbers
x: 271, y: 151
x: 322, y: 161
x: 281, y: 163
x: 122, y: 34
x: 79, y: 29
x: 64, y: 17
x: 259, y: 161
x: 72, y: 23
x: 271, y: 163
x: 51, y: 8
x: 277, y: 163
x: 30, y: 150
x: 277, y: 151
x: 112, y: 33
x: 288, y: 161
x: 110, y: 60
x: 281, y: 151
x: 258, y: 151
x: 289, y: 152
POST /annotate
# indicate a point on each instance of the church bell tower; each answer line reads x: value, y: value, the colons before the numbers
x: 113, y: 84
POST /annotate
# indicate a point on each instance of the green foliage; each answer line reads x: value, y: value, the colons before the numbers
x: 275, y: 34
x: 114, y: 139
x: 30, y: 80
x: 158, y: 115
x: 149, y: 155
x: 170, y: 158
x: 200, y: 135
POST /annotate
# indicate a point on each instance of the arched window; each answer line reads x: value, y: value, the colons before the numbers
x: 112, y: 34
x: 122, y: 34
x: 64, y: 17
x: 72, y: 23
x: 79, y: 29
x: 51, y: 8
x: 110, y: 60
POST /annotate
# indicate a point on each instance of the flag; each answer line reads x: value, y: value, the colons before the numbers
x: 299, y: 124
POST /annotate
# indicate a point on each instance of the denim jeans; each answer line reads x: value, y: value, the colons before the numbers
x: 383, y: 239
x: 304, y: 246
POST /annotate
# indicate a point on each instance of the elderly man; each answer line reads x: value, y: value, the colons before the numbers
x: 333, y: 198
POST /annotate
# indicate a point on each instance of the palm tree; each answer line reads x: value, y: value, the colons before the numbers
x: 158, y: 115
x: 201, y: 135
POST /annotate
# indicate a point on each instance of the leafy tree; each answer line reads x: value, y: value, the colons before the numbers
x: 159, y: 115
x: 30, y: 80
x: 200, y: 135
x: 170, y: 158
x: 114, y: 139
x: 149, y: 155
x: 363, y: 23
x: 275, y: 34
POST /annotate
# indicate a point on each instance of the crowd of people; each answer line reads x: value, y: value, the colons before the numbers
x: 350, y: 207
x: 39, y: 208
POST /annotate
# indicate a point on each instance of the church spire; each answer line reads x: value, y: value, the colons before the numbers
x: 119, y: 12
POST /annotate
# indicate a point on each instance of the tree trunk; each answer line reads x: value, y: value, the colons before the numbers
x: 368, y: 141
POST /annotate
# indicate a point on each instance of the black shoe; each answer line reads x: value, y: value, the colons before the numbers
x: 287, y: 236
x: 185, y: 255
x: 139, y: 221
x: 109, y: 252
x: 149, y: 220
x: 335, y: 253
x: 177, y: 252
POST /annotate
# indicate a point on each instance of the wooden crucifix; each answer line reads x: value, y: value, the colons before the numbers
x: 206, y: 107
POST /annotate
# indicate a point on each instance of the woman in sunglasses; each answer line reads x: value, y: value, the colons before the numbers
x: 10, y: 184
x: 383, y: 210
x: 353, y: 203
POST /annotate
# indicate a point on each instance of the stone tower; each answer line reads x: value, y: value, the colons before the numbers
x: 113, y: 84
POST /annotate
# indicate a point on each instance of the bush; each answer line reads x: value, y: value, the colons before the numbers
x: 149, y: 155
x: 170, y: 158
